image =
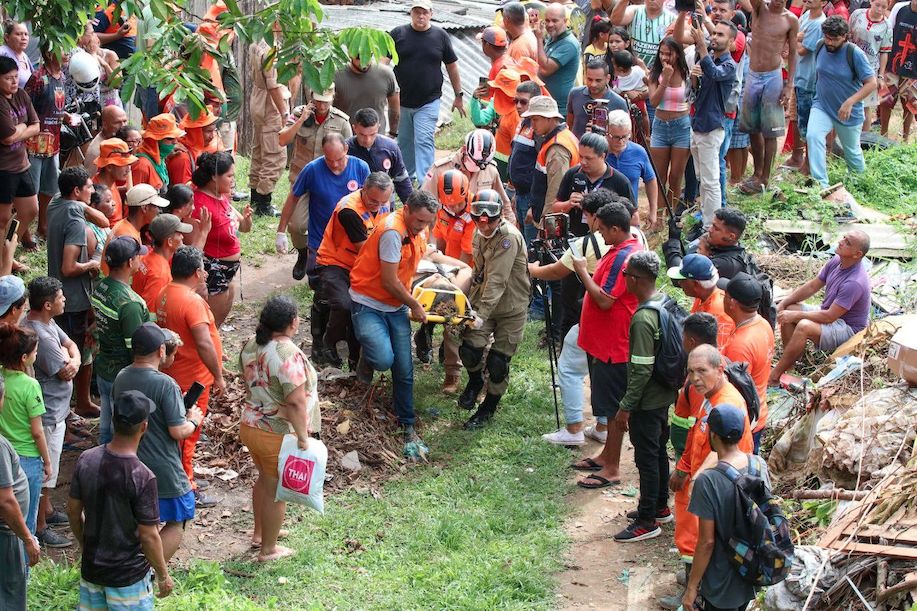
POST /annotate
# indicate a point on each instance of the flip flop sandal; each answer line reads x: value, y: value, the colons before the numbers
x: 749, y: 187
x: 586, y: 464
x: 602, y: 482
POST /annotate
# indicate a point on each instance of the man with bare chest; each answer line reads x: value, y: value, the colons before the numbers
x: 773, y: 30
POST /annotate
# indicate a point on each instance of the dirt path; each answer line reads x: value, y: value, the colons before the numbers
x: 603, y: 574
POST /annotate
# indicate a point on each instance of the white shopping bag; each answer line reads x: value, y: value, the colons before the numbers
x: 302, y: 473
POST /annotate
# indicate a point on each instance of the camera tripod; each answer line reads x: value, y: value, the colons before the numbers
x: 547, y: 251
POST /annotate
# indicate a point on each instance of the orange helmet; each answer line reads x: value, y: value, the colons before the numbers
x: 452, y: 188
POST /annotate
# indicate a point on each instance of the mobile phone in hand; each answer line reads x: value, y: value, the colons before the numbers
x: 14, y: 228
x: 193, y: 394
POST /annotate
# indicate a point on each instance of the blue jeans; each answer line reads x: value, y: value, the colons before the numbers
x: 34, y: 469
x: 820, y: 124
x: 385, y: 338
x: 105, y: 388
x: 415, y: 138
x: 523, y: 203
x: 572, y: 369
x: 728, y: 124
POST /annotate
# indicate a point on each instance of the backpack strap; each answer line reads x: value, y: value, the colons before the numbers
x: 612, y: 277
x: 728, y: 470
x: 595, y: 246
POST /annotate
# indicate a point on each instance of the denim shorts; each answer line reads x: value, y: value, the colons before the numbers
x: 675, y: 133
x: 804, y: 100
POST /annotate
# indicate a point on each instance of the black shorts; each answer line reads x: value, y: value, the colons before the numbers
x: 608, y: 383
x: 335, y: 286
x: 74, y: 324
x: 220, y: 274
x: 16, y: 184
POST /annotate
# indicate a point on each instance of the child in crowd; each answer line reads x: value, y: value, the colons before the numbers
x: 630, y: 83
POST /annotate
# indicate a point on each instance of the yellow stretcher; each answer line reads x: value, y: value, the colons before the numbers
x: 445, y: 307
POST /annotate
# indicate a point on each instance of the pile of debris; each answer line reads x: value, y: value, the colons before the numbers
x: 360, y: 432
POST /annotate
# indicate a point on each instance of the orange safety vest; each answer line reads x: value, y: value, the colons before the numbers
x: 336, y: 247
x: 113, y: 25
x: 366, y: 275
x: 566, y: 139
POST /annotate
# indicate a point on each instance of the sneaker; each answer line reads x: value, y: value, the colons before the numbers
x: 57, y: 518
x: 203, y: 501
x: 563, y: 437
x: 201, y: 484
x: 638, y: 532
x: 663, y: 516
x: 51, y: 539
x: 670, y: 602
x: 592, y: 433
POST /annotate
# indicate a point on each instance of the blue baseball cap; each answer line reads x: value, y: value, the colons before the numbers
x: 693, y: 267
x: 12, y: 288
x: 728, y: 422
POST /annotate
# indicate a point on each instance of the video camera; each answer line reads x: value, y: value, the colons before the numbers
x: 598, y: 116
x: 74, y: 136
x: 553, y: 238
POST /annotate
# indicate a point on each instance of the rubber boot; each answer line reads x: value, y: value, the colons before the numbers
x: 423, y: 343
x: 473, y: 388
x: 299, y: 268
x: 485, y: 412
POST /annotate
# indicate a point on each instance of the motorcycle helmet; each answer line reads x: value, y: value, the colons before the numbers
x: 84, y: 70
x: 480, y: 147
x: 487, y: 203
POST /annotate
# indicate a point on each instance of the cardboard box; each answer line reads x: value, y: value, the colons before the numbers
x: 902, y: 353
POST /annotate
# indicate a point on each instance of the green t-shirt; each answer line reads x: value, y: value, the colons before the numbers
x: 119, y: 311
x: 22, y: 402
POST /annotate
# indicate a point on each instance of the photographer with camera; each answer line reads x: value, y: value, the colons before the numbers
x: 588, y: 106
x: 591, y: 174
x: 721, y: 243
x: 500, y: 295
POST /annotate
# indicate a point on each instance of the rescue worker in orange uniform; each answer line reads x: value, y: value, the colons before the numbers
x: 159, y: 140
x: 354, y: 219
x: 452, y: 235
x: 380, y: 284
x: 707, y: 387
x: 200, y: 136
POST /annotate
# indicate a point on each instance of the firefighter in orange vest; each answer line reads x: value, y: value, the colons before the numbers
x: 500, y: 296
x: 354, y: 219
x: 707, y: 387
x: 380, y: 289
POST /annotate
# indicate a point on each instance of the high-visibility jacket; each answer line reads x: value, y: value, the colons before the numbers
x: 336, y: 247
x: 456, y: 230
x: 113, y: 25
x: 366, y: 275
x: 565, y: 138
x: 696, y: 451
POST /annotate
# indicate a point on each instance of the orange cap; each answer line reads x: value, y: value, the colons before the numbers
x: 203, y: 119
x: 161, y: 127
x: 114, y: 151
x: 505, y: 90
x: 494, y: 35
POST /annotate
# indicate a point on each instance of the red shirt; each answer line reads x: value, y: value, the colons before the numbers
x: 605, y: 334
x: 223, y: 239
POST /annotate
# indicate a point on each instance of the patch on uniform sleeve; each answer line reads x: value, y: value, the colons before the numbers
x: 387, y: 164
x: 505, y: 244
x: 352, y: 185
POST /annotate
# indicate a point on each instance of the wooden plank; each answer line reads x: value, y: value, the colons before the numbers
x: 880, y: 550
x: 887, y: 241
x: 887, y: 532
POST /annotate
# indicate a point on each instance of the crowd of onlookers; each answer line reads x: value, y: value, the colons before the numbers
x: 584, y: 108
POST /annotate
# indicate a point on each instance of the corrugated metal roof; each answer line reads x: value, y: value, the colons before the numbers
x: 463, y: 19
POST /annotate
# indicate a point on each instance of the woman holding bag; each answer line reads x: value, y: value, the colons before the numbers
x: 281, y: 395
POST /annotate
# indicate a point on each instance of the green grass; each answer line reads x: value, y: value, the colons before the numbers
x: 452, y: 136
x: 480, y: 527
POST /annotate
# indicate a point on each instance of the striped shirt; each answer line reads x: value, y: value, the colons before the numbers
x: 646, y: 33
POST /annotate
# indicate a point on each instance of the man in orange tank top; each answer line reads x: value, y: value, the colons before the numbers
x: 380, y: 290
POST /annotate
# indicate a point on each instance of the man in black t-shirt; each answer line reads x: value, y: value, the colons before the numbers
x: 114, y: 514
x: 902, y: 66
x: 421, y: 48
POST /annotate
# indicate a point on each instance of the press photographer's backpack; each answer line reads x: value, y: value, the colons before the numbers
x: 767, y: 308
x: 738, y: 374
x: 671, y: 366
x: 761, y: 544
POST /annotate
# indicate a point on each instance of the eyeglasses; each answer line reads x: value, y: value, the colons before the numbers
x: 619, y: 138
x: 522, y: 101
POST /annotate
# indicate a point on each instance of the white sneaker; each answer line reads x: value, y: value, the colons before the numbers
x: 563, y: 437
x: 592, y: 433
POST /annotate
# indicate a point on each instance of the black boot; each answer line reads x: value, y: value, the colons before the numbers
x: 469, y: 396
x: 423, y: 343
x: 485, y: 412
x: 299, y: 268
x: 263, y: 206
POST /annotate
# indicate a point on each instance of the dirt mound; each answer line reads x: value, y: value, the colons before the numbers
x: 354, y: 418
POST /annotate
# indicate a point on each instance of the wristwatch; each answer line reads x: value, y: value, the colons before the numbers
x: 459, y: 94
x: 393, y: 134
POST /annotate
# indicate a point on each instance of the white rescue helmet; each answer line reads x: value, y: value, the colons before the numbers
x: 480, y: 147
x: 84, y: 70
